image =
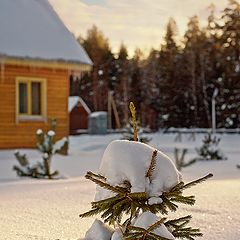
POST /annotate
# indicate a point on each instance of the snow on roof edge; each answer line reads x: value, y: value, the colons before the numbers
x: 61, y: 21
x: 98, y: 113
x: 59, y: 60
x: 72, y: 102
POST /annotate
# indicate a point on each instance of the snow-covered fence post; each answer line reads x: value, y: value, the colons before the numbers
x: 178, y: 137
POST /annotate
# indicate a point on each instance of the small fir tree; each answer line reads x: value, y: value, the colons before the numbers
x: 48, y: 147
x: 210, y: 150
x: 140, y: 214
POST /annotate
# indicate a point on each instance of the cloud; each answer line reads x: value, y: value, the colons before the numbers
x: 139, y: 23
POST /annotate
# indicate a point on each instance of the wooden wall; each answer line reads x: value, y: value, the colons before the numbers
x: 78, y: 119
x: 22, y: 134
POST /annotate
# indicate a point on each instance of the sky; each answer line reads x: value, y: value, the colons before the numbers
x: 136, y: 23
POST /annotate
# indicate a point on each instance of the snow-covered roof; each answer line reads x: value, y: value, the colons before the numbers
x: 99, y: 113
x: 32, y: 29
x: 73, y: 101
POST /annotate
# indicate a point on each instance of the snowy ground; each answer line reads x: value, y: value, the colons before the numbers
x: 48, y: 210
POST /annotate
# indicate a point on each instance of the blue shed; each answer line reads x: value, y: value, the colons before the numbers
x: 97, y: 123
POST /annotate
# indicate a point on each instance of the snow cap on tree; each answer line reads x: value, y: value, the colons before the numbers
x: 129, y: 160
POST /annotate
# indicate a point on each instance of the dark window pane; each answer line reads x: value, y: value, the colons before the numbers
x: 36, y: 98
x: 23, y: 107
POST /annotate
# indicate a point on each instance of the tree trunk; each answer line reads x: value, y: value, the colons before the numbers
x: 205, y: 100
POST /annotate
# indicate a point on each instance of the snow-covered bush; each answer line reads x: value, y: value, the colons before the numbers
x: 48, y: 147
x: 137, y: 186
x: 210, y: 149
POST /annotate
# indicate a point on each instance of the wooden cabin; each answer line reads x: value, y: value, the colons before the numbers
x: 78, y: 115
x: 37, y: 56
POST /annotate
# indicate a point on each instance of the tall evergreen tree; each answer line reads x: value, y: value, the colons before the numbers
x: 123, y: 79
x: 168, y: 81
x: 97, y: 47
x: 135, y: 88
x: 230, y: 42
x: 150, y: 93
x: 173, y: 86
x: 195, y: 60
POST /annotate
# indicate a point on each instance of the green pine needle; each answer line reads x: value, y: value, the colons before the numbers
x: 124, y: 202
x: 200, y: 180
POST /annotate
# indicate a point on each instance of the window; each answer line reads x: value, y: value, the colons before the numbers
x: 31, y: 98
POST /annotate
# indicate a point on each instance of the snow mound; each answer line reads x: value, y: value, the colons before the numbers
x: 146, y: 219
x: 117, y: 235
x: 129, y: 160
x: 99, y: 231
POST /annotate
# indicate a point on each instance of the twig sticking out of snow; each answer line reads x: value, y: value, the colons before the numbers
x: 180, y: 159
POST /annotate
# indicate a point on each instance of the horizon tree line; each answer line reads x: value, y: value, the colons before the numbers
x: 172, y: 86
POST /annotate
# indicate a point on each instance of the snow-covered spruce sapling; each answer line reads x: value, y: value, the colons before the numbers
x: 137, y: 186
x: 210, y: 149
x: 179, y: 156
x: 47, y: 146
x: 123, y: 200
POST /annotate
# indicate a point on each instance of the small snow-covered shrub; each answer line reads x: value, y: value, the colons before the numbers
x: 210, y: 149
x: 137, y: 186
x: 48, y: 147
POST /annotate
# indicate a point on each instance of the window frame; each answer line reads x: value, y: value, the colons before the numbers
x: 43, y: 106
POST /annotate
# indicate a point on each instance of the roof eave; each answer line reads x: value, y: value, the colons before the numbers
x: 53, y: 63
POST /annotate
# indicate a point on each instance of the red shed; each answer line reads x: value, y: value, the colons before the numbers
x: 78, y: 114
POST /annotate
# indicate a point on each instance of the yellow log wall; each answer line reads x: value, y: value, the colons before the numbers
x: 22, y: 134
